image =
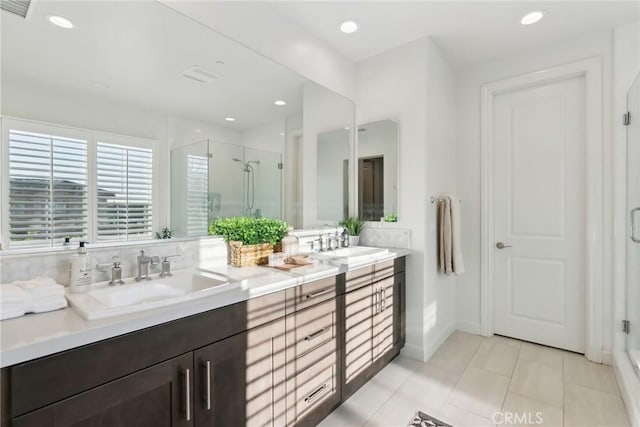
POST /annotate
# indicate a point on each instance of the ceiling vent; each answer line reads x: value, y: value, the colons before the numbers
x: 19, y: 7
x: 200, y: 74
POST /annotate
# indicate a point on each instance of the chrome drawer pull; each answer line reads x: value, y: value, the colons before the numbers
x: 207, y: 382
x: 383, y: 299
x: 315, y: 393
x: 318, y: 293
x: 187, y: 393
x: 315, y: 334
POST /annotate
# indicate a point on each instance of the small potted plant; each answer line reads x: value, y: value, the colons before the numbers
x: 354, y: 227
x: 250, y: 240
x: 390, y: 218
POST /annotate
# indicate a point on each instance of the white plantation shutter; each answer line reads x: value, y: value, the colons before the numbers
x: 197, y: 195
x: 124, y: 192
x: 47, y: 191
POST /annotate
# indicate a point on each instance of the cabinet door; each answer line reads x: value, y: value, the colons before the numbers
x: 383, y: 318
x: 156, y: 396
x: 359, y: 309
x: 240, y: 380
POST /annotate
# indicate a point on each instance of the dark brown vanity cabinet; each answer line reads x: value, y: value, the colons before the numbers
x: 286, y: 358
x: 156, y: 396
x: 236, y: 380
x: 373, y: 321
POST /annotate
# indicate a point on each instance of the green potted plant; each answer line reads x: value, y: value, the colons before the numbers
x: 250, y: 240
x: 354, y: 227
x: 390, y: 218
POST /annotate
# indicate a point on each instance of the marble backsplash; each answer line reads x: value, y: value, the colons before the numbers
x: 209, y: 251
x: 385, y: 235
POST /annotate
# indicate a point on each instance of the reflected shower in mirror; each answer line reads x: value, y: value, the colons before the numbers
x: 377, y: 170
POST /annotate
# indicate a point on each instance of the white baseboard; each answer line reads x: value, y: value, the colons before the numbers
x: 607, y: 358
x: 432, y: 342
x: 412, y: 351
x: 629, y: 385
x: 469, y: 327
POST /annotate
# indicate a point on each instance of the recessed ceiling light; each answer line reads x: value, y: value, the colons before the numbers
x: 280, y: 103
x: 220, y: 62
x: 349, y: 27
x: 60, y: 22
x: 281, y: 133
x: 347, y: 128
x: 196, y: 130
x: 532, y: 17
x: 230, y: 119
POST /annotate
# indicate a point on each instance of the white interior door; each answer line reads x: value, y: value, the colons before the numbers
x: 538, y: 214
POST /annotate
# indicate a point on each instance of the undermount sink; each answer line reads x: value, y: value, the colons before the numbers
x: 350, y: 255
x: 107, y: 301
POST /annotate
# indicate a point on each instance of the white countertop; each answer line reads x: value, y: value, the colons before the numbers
x: 37, y: 335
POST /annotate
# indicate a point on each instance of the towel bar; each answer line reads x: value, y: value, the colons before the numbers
x: 439, y: 199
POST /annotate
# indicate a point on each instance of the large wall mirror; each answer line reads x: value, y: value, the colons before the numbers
x: 377, y: 170
x: 139, y: 118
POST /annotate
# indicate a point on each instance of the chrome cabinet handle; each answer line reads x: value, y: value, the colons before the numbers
x: 315, y: 334
x: 501, y: 245
x: 187, y: 394
x: 383, y: 299
x: 318, y: 293
x: 315, y: 393
x: 207, y: 384
x: 633, y: 225
x: 375, y: 301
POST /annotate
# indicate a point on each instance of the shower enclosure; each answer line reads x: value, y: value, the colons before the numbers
x: 633, y: 238
x: 211, y: 180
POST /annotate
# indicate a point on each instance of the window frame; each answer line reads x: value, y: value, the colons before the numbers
x: 92, y: 137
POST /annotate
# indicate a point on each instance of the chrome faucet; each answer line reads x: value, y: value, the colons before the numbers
x: 166, y: 266
x: 144, y: 262
x: 333, y: 242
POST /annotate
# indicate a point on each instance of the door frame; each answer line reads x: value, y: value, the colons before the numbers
x: 591, y: 70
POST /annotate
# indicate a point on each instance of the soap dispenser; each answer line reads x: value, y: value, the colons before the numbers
x: 80, y: 270
x: 290, y: 244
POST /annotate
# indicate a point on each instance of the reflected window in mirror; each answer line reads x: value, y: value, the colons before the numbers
x: 377, y: 170
x: 48, y: 184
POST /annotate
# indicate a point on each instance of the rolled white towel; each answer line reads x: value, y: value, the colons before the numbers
x: 9, y: 313
x: 49, y: 304
x: 40, y: 287
x: 10, y: 293
x: 13, y: 301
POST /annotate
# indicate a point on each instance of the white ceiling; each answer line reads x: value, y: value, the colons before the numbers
x: 468, y: 32
x: 139, y: 50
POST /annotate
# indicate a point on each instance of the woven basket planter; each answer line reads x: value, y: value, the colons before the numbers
x: 240, y: 255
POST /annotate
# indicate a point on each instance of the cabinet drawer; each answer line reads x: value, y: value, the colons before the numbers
x: 314, y: 326
x: 311, y: 293
x: 357, y: 278
x: 384, y: 269
x: 266, y: 308
x: 314, y: 386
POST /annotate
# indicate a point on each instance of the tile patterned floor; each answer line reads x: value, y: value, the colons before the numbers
x: 477, y: 381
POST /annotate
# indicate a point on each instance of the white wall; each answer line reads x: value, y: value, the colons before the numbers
x: 333, y: 150
x: 413, y: 86
x: 269, y: 137
x: 626, y: 65
x: 261, y: 28
x: 469, y: 83
x: 441, y: 169
x: 323, y: 111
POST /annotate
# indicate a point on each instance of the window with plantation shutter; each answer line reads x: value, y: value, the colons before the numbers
x: 47, y: 189
x: 124, y: 177
x: 197, y: 195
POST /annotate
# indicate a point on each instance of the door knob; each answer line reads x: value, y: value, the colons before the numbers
x: 501, y: 245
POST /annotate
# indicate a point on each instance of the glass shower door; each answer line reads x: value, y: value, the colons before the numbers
x: 633, y: 209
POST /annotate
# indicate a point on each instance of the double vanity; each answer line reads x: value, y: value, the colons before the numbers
x: 217, y: 346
